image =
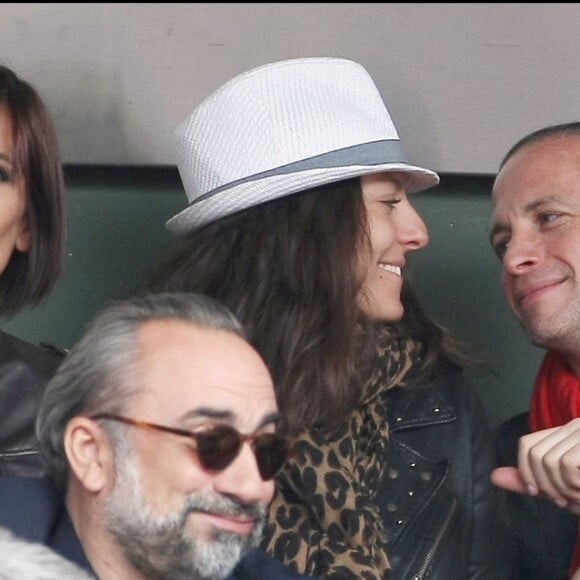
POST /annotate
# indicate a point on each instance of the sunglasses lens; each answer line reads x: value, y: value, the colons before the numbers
x: 271, y: 452
x: 218, y: 447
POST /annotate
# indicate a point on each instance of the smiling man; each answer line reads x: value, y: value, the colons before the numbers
x: 159, y: 432
x: 536, y: 235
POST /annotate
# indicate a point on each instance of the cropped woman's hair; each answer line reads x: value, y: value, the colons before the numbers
x: 30, y: 276
x: 289, y: 270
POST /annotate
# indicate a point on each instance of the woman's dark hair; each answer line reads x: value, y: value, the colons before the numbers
x: 288, y: 269
x: 30, y: 276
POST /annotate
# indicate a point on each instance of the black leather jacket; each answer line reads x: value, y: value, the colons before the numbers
x: 445, y: 519
x: 24, y: 371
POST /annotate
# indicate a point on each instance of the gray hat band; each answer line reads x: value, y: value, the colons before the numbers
x: 374, y: 153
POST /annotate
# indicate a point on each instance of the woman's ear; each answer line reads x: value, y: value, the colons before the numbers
x: 22, y: 243
x: 90, y: 454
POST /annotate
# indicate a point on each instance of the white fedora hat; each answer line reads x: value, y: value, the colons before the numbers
x: 282, y: 128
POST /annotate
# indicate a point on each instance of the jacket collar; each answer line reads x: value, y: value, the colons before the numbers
x: 418, y: 406
x: 65, y: 541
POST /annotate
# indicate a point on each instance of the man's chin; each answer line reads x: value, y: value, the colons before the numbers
x: 540, y: 336
x: 213, y: 535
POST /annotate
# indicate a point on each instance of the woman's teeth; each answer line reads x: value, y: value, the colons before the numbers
x: 390, y: 268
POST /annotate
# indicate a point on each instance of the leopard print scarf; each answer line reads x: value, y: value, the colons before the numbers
x: 324, y: 519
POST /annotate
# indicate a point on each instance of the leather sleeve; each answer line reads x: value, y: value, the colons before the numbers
x: 24, y: 371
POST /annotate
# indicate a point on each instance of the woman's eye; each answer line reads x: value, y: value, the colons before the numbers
x: 391, y: 202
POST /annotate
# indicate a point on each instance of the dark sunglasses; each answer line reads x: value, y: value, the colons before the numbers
x: 218, y: 446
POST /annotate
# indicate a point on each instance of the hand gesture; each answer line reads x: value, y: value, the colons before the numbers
x: 548, y: 466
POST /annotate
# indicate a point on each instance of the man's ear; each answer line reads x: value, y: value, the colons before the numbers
x: 90, y: 454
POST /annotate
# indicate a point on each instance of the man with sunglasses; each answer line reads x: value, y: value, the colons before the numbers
x: 159, y: 435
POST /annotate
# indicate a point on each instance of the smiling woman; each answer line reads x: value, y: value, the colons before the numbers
x: 395, y: 228
x: 300, y: 220
x: 32, y: 235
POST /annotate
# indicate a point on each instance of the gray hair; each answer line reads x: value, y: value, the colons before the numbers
x: 98, y: 374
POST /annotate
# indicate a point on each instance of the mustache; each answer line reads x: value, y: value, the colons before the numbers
x: 224, y: 505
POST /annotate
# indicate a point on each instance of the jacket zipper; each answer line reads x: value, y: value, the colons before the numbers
x: 423, y: 568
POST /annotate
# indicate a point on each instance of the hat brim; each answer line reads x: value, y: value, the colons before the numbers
x: 251, y: 193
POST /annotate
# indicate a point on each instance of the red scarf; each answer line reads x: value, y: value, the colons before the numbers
x: 555, y: 401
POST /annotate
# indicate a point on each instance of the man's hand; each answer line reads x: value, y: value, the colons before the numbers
x: 548, y: 466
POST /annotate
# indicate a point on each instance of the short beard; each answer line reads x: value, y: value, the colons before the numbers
x: 158, y: 546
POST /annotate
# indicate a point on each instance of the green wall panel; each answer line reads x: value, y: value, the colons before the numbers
x: 115, y: 234
x: 458, y: 278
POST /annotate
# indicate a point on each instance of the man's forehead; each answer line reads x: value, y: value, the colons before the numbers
x: 541, y: 165
x: 562, y: 146
x: 177, y: 338
x: 184, y: 367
